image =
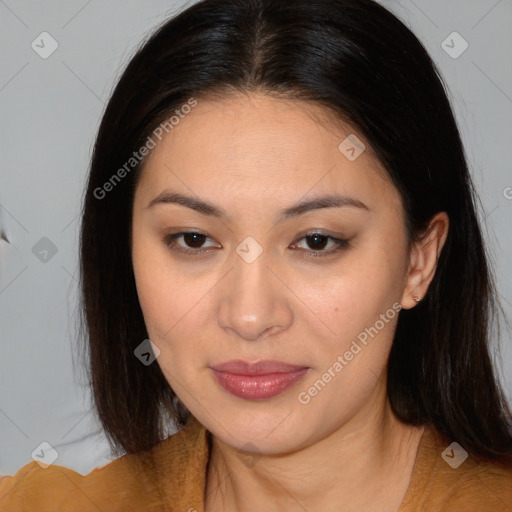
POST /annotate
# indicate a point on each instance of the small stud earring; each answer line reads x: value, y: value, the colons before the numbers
x: 416, y: 298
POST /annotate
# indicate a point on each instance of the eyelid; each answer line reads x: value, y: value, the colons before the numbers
x: 341, y: 243
x: 169, y: 239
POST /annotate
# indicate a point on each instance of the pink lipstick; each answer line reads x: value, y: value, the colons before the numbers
x: 257, y: 381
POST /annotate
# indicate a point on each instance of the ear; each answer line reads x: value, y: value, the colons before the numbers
x: 423, y: 260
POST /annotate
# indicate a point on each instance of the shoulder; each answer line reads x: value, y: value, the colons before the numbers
x: 131, y: 483
x: 59, y: 488
x: 447, y: 478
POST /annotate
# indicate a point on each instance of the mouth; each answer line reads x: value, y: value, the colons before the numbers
x: 257, y: 381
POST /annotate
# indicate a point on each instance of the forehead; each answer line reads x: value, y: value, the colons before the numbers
x: 253, y: 148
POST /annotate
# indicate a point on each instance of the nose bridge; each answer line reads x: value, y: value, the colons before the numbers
x: 250, y: 288
x: 253, y: 301
x: 251, y: 276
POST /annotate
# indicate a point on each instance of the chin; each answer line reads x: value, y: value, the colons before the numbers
x: 270, y: 433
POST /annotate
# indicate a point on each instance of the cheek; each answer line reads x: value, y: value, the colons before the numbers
x: 145, y: 273
x: 353, y: 299
x: 156, y: 285
x: 174, y: 302
x: 361, y: 309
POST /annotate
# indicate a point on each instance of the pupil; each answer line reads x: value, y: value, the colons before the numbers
x: 316, y: 237
x: 192, y: 238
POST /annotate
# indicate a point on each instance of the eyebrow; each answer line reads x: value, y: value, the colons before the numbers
x: 326, y: 201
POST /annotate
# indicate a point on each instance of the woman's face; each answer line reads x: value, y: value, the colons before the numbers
x: 261, y: 289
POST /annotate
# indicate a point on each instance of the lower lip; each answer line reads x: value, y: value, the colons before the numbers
x: 257, y: 387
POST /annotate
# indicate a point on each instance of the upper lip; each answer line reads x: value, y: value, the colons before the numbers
x: 263, y: 367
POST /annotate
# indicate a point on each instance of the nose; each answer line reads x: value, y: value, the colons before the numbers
x: 254, y: 302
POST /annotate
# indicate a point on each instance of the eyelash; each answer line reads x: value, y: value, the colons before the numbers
x: 169, y: 241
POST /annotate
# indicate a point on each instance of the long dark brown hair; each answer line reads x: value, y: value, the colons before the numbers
x: 358, y: 60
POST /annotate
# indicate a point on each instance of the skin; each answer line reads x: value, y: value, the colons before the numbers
x: 252, y: 156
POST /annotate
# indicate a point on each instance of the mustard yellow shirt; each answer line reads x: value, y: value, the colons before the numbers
x: 177, y: 483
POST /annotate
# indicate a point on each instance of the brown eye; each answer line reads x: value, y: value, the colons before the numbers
x: 192, y: 243
x: 190, y: 240
x: 194, y: 240
x: 317, y: 242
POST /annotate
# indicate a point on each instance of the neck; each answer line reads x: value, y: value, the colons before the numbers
x: 366, y: 464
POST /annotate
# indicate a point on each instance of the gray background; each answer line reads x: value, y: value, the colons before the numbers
x: 50, y: 111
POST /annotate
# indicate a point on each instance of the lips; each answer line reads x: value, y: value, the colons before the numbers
x: 240, y: 367
x: 256, y: 381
